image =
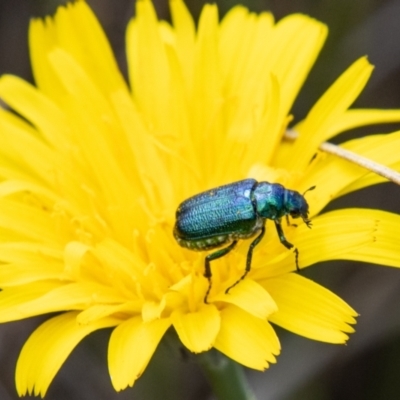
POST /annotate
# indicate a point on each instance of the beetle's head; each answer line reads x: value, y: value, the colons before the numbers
x: 297, y: 206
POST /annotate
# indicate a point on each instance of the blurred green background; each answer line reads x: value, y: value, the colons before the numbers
x: 368, y: 367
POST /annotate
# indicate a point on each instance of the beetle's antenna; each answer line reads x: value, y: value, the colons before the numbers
x: 309, y: 189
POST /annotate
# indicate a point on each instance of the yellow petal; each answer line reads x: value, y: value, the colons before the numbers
x: 355, y: 118
x: 297, y: 40
x: 76, y: 29
x: 13, y: 299
x: 367, y: 180
x: 132, y: 344
x: 308, y: 309
x: 197, y: 330
x: 146, y: 58
x: 28, y: 222
x: 250, y: 297
x: 78, y: 32
x: 143, y: 151
x: 16, y: 274
x: 42, y: 38
x: 206, y: 90
x: 333, y: 235
x: 185, y: 31
x: 20, y: 252
x: 335, y: 101
x: 37, y: 163
x: 384, y: 249
x: 47, y: 348
x: 246, y: 339
x: 244, y: 56
x: 30, y: 102
x: 100, y: 146
x: 99, y: 311
x: 73, y: 296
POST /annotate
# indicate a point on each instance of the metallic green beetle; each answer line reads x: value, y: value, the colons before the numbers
x: 223, y: 215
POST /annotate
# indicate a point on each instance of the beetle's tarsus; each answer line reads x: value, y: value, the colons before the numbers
x: 296, y: 258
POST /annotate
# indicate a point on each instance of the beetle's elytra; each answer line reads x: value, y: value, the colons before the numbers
x: 223, y: 215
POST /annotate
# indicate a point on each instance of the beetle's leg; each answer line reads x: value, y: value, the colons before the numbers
x: 290, y: 223
x: 253, y: 244
x: 286, y: 243
x: 207, y: 267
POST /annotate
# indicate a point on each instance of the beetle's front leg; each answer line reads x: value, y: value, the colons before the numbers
x: 207, y: 267
x: 288, y: 245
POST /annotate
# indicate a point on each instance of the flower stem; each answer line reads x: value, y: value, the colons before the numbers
x: 225, y: 376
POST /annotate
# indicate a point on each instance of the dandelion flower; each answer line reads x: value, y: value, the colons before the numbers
x: 93, y: 170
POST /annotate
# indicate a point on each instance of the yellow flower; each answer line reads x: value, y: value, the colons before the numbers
x: 92, y: 173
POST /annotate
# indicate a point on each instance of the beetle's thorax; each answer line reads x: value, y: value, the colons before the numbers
x: 269, y: 200
x: 288, y: 197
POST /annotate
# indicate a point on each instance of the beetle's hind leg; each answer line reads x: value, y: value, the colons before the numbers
x: 207, y: 267
x: 288, y: 245
x: 253, y: 244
